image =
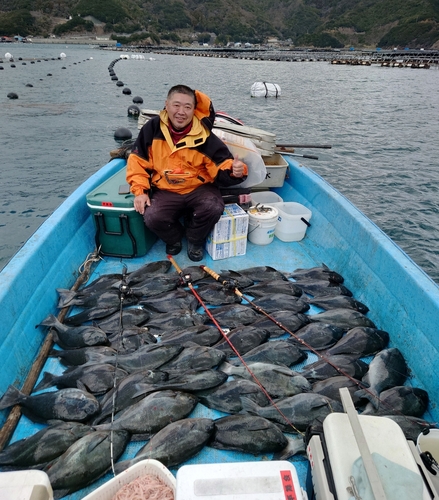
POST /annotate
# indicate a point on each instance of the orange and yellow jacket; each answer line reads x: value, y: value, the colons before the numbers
x: 199, y: 158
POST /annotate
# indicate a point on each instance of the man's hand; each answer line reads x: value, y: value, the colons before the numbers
x: 237, y: 167
x: 140, y: 202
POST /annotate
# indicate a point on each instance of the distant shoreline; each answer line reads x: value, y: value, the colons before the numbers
x: 76, y: 41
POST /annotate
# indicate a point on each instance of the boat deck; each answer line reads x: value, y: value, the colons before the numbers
x: 339, y: 236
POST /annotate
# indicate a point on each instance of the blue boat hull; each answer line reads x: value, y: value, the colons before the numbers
x: 402, y: 299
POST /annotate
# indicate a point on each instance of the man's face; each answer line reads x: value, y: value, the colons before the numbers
x: 180, y: 108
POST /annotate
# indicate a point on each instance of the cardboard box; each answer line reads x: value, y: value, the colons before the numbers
x: 276, y: 170
x: 120, y: 230
x: 228, y: 238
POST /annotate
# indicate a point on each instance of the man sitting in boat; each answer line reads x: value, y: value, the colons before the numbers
x: 176, y: 168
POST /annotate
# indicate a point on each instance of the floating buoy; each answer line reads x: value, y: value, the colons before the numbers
x: 122, y: 134
x: 133, y: 110
x: 32, y: 62
x: 23, y: 63
x: 126, y: 91
x: 137, y: 99
x: 1, y: 67
x: 114, y: 78
x: 49, y: 74
x: 11, y: 59
x: 12, y: 65
x: 63, y: 67
x: 90, y: 58
x: 12, y: 95
x: 62, y: 55
x: 264, y: 89
x: 20, y: 58
x: 29, y: 85
x: 119, y: 83
x: 8, y: 55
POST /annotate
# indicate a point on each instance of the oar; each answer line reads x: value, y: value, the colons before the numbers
x: 316, y: 146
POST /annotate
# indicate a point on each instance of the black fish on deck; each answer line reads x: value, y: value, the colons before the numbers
x: 338, y: 302
x: 199, y: 334
x: 215, y: 294
x: 95, y: 379
x: 82, y: 355
x: 281, y: 302
x: 322, y: 369
x: 174, y: 444
x: 248, y: 434
x: 170, y: 301
x: 262, y: 273
x: 401, y: 399
x: 300, y: 410
x: 147, y: 271
x: 195, y: 358
x: 125, y: 391
x: 322, y: 288
x: 96, y: 313
x: 43, y: 446
x: 243, y: 339
x: 330, y: 387
x: 343, y: 318
x: 148, y: 357
x: 72, y: 405
x: 264, y: 288
x: 387, y: 369
x: 106, y: 299
x: 412, y: 426
x: 156, y: 284
x: 85, y: 461
x: 153, y: 412
x: 278, y: 352
x: 133, y: 316
x: 232, y: 316
x: 287, y: 319
x: 279, y: 381
x: 131, y: 339
x: 318, y: 273
x: 72, y: 337
x: 100, y: 284
x: 320, y: 336
x: 178, y: 319
x: 227, y: 397
x: 235, y: 277
x: 361, y: 340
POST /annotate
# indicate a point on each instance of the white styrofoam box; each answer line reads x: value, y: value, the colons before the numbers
x: 276, y: 168
x: 228, y: 237
x: 144, y: 467
x: 25, y: 485
x: 265, y: 480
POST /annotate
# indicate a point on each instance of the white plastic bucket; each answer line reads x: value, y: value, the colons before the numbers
x: 292, y: 221
x: 262, y: 220
x: 265, y: 197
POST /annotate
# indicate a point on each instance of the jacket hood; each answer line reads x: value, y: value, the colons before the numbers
x: 204, y: 110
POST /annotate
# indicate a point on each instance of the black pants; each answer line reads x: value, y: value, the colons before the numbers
x: 201, y: 210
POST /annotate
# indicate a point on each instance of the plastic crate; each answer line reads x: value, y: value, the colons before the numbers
x: 142, y: 468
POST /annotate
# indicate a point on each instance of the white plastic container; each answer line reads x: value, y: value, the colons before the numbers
x: 265, y: 197
x: 429, y: 442
x: 25, y: 485
x: 262, y: 220
x: 276, y: 170
x: 142, y: 468
x: 291, y: 225
x: 265, y: 480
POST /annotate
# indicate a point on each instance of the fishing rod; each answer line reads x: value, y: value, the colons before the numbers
x: 186, y: 279
x: 315, y: 146
x: 311, y: 157
x: 233, y: 285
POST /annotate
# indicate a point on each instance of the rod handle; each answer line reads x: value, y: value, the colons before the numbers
x: 214, y: 275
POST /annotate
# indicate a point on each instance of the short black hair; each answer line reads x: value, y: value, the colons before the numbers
x: 182, y: 89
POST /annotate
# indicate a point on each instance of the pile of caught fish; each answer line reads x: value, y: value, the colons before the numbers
x: 141, y: 357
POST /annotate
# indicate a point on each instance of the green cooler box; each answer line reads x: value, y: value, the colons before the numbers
x: 120, y: 230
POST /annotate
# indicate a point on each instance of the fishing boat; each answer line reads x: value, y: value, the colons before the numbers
x: 402, y: 298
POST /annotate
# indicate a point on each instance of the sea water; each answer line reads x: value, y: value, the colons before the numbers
x: 382, y: 124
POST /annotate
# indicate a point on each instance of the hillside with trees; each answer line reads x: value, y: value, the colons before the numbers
x: 317, y: 23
